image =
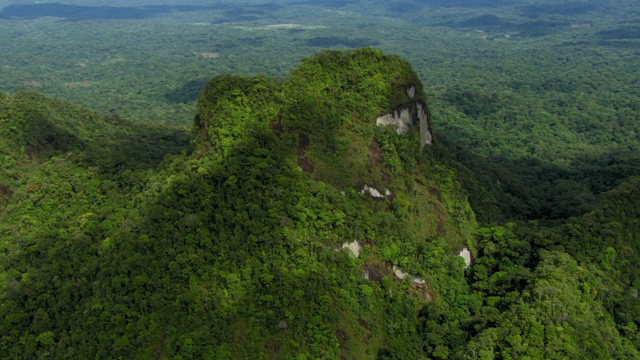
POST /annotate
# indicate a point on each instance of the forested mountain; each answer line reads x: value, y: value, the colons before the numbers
x: 314, y: 216
x: 545, y: 90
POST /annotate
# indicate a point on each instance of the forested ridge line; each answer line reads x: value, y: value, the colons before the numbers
x: 125, y: 240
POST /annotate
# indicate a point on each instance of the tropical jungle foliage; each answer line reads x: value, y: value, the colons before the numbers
x: 150, y: 239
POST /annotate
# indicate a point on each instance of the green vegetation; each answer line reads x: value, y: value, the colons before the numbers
x: 546, y: 91
x: 233, y: 230
x: 210, y: 224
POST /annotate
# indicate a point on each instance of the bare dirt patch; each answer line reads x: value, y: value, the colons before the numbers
x: 5, y: 190
x: 305, y: 164
x: 364, y: 323
x: 303, y: 161
x: 375, y: 152
x: 440, y: 227
x: 435, y: 192
x: 387, y: 178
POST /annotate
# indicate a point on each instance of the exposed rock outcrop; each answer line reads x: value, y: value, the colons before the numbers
x: 354, y: 247
x: 409, y: 115
x: 466, y: 255
x: 375, y: 193
x: 401, y: 274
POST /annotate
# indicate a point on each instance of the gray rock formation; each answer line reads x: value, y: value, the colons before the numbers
x: 401, y: 274
x: 409, y: 115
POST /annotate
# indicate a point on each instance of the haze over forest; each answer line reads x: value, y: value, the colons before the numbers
x: 301, y: 179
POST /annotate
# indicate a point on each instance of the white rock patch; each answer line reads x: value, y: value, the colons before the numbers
x: 401, y: 274
x: 466, y: 255
x: 405, y: 117
x: 411, y: 91
x: 417, y: 280
x: 401, y: 119
x: 372, y: 191
x: 426, y: 137
x: 354, y: 247
x: 375, y: 192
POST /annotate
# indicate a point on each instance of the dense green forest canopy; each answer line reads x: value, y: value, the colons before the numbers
x: 199, y: 200
x: 256, y: 241
x: 548, y: 89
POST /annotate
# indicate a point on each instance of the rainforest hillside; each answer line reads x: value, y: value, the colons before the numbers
x: 318, y: 216
x: 540, y: 96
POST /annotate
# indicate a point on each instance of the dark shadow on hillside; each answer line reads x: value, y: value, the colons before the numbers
x: 188, y: 92
x: 76, y: 12
x: 622, y: 33
x: 621, y: 44
x: 36, y: 128
x: 137, y: 146
x: 502, y: 189
x: 45, y: 139
x: 190, y: 229
x: 200, y: 214
x: 607, y: 170
x: 486, y: 21
x: 631, y: 45
x: 473, y: 103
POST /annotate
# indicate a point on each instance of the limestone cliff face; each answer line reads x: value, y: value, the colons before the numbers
x: 411, y: 114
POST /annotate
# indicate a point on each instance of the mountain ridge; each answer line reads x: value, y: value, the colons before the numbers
x: 292, y: 226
